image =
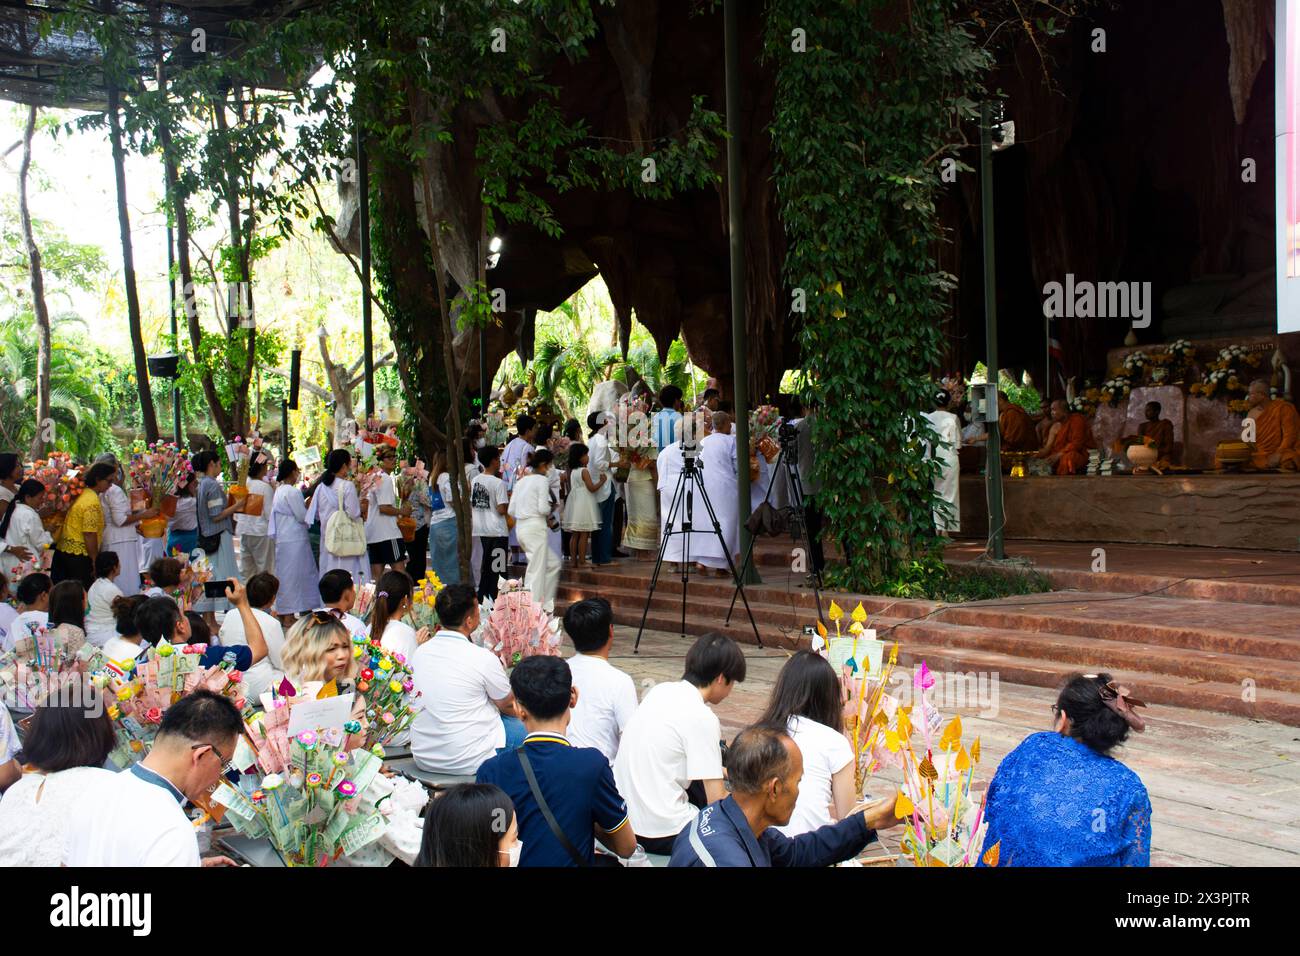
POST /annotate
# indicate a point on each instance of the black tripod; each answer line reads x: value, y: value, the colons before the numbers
x: 787, y: 461
x: 683, y: 501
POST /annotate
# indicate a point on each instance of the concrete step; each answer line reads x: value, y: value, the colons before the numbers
x: 1266, y: 631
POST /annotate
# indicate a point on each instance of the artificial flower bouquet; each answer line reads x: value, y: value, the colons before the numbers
x: 157, y: 472
x: 423, y: 611
x: 633, y: 436
x: 324, y: 803
x: 495, y: 430
x: 63, y: 485
x: 517, y: 627
x: 386, y: 682
x: 559, y: 447
x: 764, y: 424
x: 37, y: 663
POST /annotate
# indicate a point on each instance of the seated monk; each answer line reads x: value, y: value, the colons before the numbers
x: 1159, y: 430
x: 1068, y: 441
x: 1277, y: 429
x: 1016, y: 426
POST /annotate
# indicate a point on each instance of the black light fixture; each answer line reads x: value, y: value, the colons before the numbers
x: 164, y: 366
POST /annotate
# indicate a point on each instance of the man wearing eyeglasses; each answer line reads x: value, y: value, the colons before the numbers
x: 137, y: 817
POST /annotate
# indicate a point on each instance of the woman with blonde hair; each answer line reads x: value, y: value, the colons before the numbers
x: 318, y: 649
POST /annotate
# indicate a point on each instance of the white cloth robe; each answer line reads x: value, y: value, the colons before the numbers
x: 122, y: 539
x: 718, y: 458
x: 324, y: 503
x: 295, y: 565
x: 514, y: 462
x: 670, y: 467
x: 947, y: 483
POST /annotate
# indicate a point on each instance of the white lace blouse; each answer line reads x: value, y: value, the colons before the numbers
x: 35, y: 811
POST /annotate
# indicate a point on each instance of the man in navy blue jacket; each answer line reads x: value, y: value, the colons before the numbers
x: 764, y: 767
x: 576, y: 783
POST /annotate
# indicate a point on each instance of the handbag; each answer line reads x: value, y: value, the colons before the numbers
x: 768, y: 521
x: 210, y: 543
x: 345, y: 536
x: 559, y: 834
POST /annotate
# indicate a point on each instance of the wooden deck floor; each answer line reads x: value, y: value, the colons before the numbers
x: 1225, y: 790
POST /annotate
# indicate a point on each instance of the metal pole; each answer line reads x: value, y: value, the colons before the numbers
x: 736, y: 228
x: 367, y: 331
x: 176, y: 335
x: 484, y: 386
x: 285, y: 445
x: 993, y: 469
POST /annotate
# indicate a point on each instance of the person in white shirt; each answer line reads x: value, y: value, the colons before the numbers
x: 21, y: 529
x: 532, y: 508
x: 514, y: 459
x: 7, y: 613
x: 256, y: 546
x: 338, y: 594
x: 718, y: 467
x: 466, y: 706
x: 68, y: 738
x: 607, y: 696
x: 807, y: 702
x: 383, y: 536
x: 392, y: 603
x: 669, y: 763
x: 11, y: 476
x: 32, y: 596
x: 599, y: 464
x: 262, y: 590
x: 136, y: 818
x: 121, y: 526
x: 489, y: 504
x: 125, y: 644
x: 100, y: 622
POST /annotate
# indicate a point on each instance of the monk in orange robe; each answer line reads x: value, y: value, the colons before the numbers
x: 1277, y: 429
x: 1159, y: 430
x: 1068, y: 441
x: 1016, y: 426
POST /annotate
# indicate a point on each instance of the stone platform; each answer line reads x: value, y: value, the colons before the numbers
x: 1258, y: 511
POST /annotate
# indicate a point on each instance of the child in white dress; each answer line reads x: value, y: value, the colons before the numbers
x: 581, y: 513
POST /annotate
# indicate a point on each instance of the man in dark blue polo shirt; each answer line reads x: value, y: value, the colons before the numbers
x: 764, y: 767
x: 576, y: 783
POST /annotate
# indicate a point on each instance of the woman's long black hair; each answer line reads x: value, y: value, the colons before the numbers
x: 806, y: 687
x: 464, y: 826
x: 28, y: 488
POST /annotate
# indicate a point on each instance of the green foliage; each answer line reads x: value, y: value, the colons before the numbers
x: 860, y: 121
x: 929, y: 579
x: 77, y: 400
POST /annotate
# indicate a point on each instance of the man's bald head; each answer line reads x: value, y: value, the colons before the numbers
x: 1258, y: 394
x: 1060, y: 410
x: 722, y: 423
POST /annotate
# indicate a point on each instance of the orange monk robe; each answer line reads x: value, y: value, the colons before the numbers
x: 1161, y: 434
x: 1073, y: 439
x: 1277, y: 432
x: 1017, y: 429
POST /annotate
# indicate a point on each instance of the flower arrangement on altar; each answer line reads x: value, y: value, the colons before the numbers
x: 1114, y: 390
x: 516, y: 627
x: 1085, y: 403
x: 1135, y: 362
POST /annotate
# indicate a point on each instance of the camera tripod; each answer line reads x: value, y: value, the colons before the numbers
x: 688, y: 482
x: 787, y: 461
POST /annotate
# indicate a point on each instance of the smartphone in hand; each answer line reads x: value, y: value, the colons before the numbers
x: 216, y: 589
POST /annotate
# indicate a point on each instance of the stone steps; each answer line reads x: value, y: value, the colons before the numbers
x: 1230, y: 656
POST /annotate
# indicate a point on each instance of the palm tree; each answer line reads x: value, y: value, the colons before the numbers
x: 77, y: 406
x: 567, y: 373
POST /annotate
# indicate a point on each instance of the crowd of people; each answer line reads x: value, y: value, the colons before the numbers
x: 570, y: 765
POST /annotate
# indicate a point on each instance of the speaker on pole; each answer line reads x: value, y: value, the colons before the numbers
x: 295, y: 370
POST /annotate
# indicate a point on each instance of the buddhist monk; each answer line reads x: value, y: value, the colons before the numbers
x: 1068, y: 441
x: 1016, y: 426
x: 1277, y: 429
x: 1159, y: 430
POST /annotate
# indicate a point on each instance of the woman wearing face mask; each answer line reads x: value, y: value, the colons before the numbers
x: 470, y: 825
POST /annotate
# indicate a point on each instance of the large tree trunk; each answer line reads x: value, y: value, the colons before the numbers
x: 181, y: 217
x: 128, y: 261
x: 43, y: 355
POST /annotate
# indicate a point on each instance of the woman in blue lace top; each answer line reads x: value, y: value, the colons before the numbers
x: 1060, y: 799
